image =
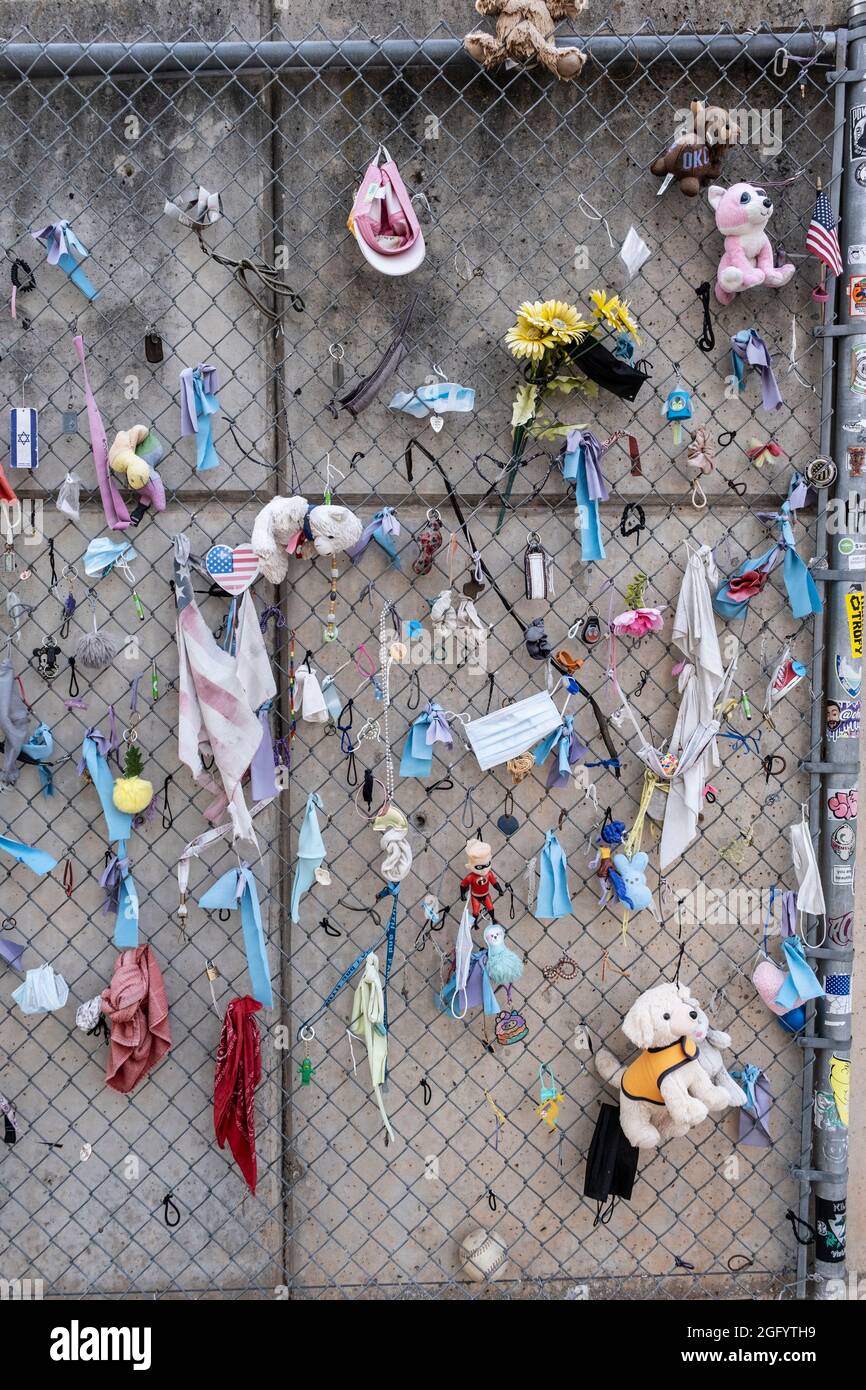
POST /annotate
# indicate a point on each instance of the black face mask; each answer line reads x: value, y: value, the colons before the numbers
x: 611, y: 1164
x: 600, y: 365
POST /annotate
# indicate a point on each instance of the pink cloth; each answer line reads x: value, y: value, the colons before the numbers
x: 136, y: 1006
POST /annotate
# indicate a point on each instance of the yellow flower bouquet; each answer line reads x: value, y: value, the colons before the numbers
x: 560, y: 351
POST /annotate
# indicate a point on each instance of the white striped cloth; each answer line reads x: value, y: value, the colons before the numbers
x: 214, y: 710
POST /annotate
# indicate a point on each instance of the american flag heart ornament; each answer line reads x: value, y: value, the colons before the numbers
x: 234, y: 570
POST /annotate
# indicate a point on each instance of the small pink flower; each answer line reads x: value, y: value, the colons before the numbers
x: 637, y: 622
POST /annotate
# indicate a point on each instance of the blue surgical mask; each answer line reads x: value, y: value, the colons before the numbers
x: 103, y: 554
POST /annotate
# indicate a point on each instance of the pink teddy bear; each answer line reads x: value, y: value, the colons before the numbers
x: 742, y: 213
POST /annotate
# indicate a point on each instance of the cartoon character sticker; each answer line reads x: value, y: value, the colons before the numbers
x: 842, y: 718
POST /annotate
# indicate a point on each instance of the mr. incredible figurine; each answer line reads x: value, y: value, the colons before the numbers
x: 480, y: 879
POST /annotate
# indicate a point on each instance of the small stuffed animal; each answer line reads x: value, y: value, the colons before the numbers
x: 713, y: 1064
x: 524, y: 34
x: 286, y: 523
x: 742, y: 213
x: 632, y: 873
x: 666, y: 1091
x: 504, y: 966
x: 696, y: 157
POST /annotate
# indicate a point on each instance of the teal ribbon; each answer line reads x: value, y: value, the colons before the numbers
x: 119, y: 827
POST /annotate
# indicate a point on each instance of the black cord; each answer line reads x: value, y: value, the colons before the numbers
x: 168, y: 1201
x: 707, y: 341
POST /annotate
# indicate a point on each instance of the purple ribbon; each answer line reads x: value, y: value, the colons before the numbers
x: 752, y: 350
x: 263, y: 782
x: 593, y: 452
x: 438, y: 728
x: 209, y: 378
x: 11, y: 951
x: 110, y: 879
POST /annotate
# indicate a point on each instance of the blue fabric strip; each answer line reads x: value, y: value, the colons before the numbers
x: 237, y: 888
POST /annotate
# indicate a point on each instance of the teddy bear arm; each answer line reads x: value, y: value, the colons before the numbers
x: 566, y: 9
x: 485, y: 49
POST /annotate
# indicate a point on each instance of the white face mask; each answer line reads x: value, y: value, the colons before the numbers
x: 42, y: 991
x: 507, y: 732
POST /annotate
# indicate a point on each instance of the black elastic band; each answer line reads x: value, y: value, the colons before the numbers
x: 707, y: 341
x: 168, y: 1201
x: 798, y: 1221
x: 74, y: 687
x: 167, y: 817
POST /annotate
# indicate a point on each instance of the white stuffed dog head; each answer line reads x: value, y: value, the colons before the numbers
x: 278, y: 528
x: 662, y: 1015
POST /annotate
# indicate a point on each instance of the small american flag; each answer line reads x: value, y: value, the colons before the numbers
x: 821, y: 238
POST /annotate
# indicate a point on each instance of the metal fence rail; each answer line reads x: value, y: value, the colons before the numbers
x: 529, y: 188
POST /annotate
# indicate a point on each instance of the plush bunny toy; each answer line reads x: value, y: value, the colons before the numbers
x: 742, y: 213
x: 666, y: 1091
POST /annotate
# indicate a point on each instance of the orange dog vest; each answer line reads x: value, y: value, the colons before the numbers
x: 642, y: 1080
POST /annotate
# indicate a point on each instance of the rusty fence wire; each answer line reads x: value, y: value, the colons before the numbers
x: 526, y: 188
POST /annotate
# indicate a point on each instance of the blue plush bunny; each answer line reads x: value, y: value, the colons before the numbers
x: 637, y: 894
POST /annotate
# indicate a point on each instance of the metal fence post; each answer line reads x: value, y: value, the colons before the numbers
x: 842, y: 649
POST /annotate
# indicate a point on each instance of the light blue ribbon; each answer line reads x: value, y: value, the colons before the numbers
x: 582, y: 466
x: 553, y: 898
x: 39, y: 860
x: 801, y: 982
x: 204, y: 405
x: 237, y: 889
x: 60, y: 241
x: 383, y: 526
x: 429, y: 728
x: 311, y: 852
x: 801, y: 588
x: 118, y: 877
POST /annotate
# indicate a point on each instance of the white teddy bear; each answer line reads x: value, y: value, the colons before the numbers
x: 669, y: 1088
x: 286, y: 523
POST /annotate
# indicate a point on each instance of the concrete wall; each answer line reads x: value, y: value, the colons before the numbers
x: 367, y: 1221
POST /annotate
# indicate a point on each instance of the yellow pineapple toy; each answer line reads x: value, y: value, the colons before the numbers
x: 132, y: 792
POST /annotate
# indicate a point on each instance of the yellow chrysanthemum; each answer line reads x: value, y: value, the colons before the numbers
x: 607, y: 307
x: 625, y: 320
x: 527, y: 340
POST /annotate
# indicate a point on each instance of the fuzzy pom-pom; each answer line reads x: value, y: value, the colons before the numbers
x: 95, y: 650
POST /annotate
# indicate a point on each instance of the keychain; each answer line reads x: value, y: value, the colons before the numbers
x: 508, y: 822
x: 676, y: 409
x: 536, y: 569
x: 45, y: 659
x: 429, y: 542
x: 153, y: 350
x: 551, y: 1096
x: 212, y: 974
x: 306, y: 1071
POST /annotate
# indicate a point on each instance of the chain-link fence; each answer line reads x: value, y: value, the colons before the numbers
x: 526, y: 188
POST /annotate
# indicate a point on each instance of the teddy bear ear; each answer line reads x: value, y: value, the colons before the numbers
x: 715, y: 194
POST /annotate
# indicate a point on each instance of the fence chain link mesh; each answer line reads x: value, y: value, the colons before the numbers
x: 529, y: 188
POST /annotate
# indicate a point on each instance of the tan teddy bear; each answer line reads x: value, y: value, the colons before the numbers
x: 524, y: 30
x: 696, y: 157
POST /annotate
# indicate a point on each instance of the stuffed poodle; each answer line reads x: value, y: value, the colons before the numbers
x: 286, y: 523
x: 524, y: 34
x: 670, y: 1088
